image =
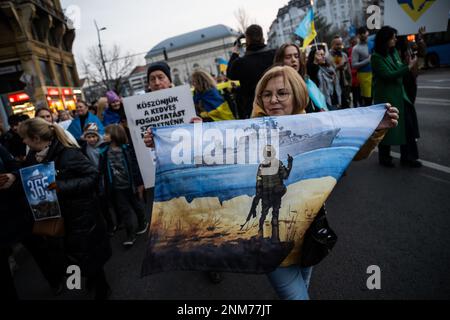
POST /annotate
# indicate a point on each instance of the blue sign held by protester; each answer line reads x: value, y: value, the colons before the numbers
x: 43, y: 202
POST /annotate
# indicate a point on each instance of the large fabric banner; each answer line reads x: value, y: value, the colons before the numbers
x: 238, y: 196
x: 43, y: 202
x: 407, y: 16
x: 156, y: 109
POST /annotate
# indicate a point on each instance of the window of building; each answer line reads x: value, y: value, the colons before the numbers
x: 176, y: 77
x: 72, y: 76
x: 10, y: 74
x: 45, y: 69
x: 60, y: 74
x: 37, y: 30
x: 52, y: 38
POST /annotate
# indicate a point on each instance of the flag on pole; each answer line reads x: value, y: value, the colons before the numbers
x: 223, y: 65
x: 306, y: 29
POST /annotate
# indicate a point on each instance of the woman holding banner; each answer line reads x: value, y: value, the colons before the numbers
x: 86, y: 243
x: 281, y: 91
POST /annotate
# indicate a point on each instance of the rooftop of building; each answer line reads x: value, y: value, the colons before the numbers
x: 293, y: 3
x: 139, y: 69
x: 193, y: 38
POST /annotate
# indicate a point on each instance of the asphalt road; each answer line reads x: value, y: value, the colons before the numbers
x: 397, y: 219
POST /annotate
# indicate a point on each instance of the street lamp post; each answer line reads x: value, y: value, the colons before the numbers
x: 101, y: 53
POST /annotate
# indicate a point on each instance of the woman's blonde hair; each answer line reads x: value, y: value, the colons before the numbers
x: 39, y: 128
x: 298, y: 87
x: 204, y: 81
x: 102, y: 104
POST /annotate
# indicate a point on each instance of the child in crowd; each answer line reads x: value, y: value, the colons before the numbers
x: 91, y: 146
x: 93, y: 142
x: 123, y: 181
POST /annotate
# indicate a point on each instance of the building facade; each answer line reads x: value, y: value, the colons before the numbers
x: 36, y: 61
x: 340, y: 15
x: 343, y: 13
x: 193, y: 50
x: 137, y: 80
x: 92, y: 91
x: 288, y: 18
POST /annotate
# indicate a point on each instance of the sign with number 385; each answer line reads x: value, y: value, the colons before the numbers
x: 43, y: 202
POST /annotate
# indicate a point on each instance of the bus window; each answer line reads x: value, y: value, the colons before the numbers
x: 438, y: 48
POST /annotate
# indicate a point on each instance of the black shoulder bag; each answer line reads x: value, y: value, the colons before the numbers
x: 319, y: 240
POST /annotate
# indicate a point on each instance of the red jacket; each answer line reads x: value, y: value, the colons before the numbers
x: 355, y: 82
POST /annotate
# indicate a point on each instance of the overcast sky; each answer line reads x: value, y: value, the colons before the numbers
x: 138, y: 25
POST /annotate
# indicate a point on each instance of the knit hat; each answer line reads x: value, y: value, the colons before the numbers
x: 90, y: 128
x: 112, y: 97
x: 161, y: 66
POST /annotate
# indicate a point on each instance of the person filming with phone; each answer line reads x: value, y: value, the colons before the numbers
x: 249, y: 68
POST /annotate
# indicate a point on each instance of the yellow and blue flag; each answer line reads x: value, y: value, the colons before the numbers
x: 415, y: 8
x: 223, y: 65
x: 306, y: 29
x: 214, y: 105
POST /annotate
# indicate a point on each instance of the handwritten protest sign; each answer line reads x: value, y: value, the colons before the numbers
x: 162, y: 108
x: 43, y: 202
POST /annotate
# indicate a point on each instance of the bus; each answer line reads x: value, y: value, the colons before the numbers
x: 438, y: 48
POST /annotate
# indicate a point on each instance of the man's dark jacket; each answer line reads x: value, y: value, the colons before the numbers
x: 249, y: 70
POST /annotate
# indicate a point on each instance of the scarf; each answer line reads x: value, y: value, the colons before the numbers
x: 329, y: 83
x: 40, y: 156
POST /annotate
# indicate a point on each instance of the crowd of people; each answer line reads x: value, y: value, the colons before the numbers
x: 99, y: 184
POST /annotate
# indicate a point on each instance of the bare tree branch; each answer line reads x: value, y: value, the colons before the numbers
x: 242, y: 18
x: 117, y: 66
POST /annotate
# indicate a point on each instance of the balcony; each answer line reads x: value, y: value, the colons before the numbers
x: 47, y: 7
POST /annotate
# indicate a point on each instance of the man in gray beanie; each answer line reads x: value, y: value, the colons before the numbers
x: 158, y: 76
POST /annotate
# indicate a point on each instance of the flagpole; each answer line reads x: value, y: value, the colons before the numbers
x: 312, y: 8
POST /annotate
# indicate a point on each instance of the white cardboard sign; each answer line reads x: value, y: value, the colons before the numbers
x: 162, y: 108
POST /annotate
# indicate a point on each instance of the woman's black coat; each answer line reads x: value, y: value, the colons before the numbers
x: 15, y: 214
x: 86, y: 242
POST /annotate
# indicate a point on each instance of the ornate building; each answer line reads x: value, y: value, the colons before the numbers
x: 343, y: 14
x: 36, y: 61
x: 288, y: 18
x: 198, y: 49
x: 340, y: 15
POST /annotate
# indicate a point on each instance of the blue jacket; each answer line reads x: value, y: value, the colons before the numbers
x: 76, y: 130
x: 110, y: 117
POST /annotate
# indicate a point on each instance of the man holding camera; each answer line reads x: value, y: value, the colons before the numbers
x: 250, y: 68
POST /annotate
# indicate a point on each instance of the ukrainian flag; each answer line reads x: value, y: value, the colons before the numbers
x: 214, y: 105
x: 223, y: 65
x: 306, y: 29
